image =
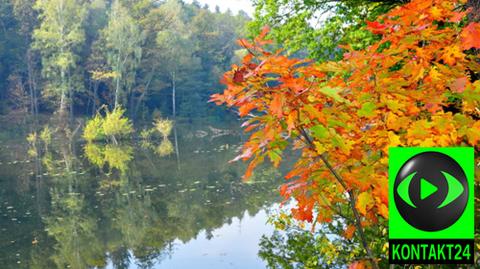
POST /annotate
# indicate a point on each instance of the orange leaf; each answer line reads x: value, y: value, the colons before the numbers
x: 471, y: 36
x: 245, y: 109
x: 350, y: 231
x: 451, y: 54
x: 457, y: 16
x: 357, y: 265
x: 383, y: 210
x: 292, y: 117
x: 249, y: 171
x: 276, y: 106
x: 264, y: 32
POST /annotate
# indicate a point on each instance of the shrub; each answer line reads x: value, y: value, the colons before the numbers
x: 165, y: 148
x: 94, y: 130
x: 94, y: 154
x: 113, y: 125
x: 163, y: 126
x: 118, y: 157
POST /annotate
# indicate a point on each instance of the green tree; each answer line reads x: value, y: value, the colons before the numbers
x: 176, y: 47
x: 123, y: 40
x: 317, y: 27
x: 59, y: 39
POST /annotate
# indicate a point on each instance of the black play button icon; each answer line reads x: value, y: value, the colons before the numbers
x: 431, y: 191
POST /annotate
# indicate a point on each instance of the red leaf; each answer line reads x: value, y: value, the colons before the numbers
x: 376, y: 27
x: 239, y: 76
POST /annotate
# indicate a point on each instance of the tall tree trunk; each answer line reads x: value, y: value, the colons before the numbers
x: 177, y: 152
x: 117, y: 87
x: 32, y: 99
x: 95, y: 93
x: 174, y: 112
x: 70, y: 97
x: 63, y: 102
x: 32, y: 85
x: 117, y: 92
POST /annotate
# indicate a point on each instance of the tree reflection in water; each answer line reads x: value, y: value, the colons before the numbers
x: 86, y: 205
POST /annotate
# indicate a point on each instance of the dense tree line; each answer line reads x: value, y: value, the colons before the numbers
x: 69, y: 57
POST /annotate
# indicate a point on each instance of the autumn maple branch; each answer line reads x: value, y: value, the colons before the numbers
x: 351, y: 198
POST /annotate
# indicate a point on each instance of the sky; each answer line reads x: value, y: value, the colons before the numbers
x: 233, y: 5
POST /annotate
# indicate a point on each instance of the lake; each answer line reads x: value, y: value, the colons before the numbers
x: 139, y: 204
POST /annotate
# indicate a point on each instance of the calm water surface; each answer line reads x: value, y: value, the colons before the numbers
x: 67, y: 204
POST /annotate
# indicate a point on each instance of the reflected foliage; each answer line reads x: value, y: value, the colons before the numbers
x: 88, y: 206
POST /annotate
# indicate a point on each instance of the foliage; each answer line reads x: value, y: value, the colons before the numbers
x: 115, y: 156
x: 318, y: 27
x: 297, y: 249
x: 123, y: 40
x: 73, y: 56
x: 145, y: 136
x: 46, y: 135
x: 113, y: 125
x: 94, y: 129
x: 94, y: 153
x: 118, y: 157
x: 163, y: 126
x: 147, y: 133
x: 343, y: 116
x: 165, y: 148
x: 58, y: 39
x: 32, y: 138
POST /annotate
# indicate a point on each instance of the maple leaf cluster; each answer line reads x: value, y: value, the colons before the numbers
x: 417, y: 86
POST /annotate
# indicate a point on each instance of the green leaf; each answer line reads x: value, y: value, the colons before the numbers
x: 333, y: 93
x: 367, y: 110
x: 319, y: 131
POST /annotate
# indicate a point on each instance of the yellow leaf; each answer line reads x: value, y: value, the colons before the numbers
x: 394, y: 139
x: 319, y: 147
x: 364, y: 202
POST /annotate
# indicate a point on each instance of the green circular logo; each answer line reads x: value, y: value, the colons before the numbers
x: 431, y: 191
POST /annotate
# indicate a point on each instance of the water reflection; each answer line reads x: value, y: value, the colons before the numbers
x: 74, y: 205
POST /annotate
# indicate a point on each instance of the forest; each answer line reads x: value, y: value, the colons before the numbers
x: 71, y: 57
